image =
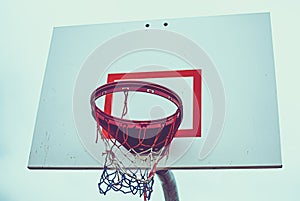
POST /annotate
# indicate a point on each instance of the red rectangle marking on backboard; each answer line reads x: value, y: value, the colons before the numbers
x: 195, y: 131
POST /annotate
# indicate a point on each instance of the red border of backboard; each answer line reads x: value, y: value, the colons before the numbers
x: 197, y: 99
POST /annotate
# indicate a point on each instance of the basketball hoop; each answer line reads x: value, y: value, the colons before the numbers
x: 133, y: 147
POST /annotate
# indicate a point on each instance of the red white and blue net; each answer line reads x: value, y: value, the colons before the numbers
x: 133, y: 148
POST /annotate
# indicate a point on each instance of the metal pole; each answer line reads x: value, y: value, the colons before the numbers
x: 169, y: 185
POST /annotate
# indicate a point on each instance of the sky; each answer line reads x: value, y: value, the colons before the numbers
x: 25, y: 41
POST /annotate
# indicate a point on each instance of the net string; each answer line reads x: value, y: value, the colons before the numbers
x: 125, y: 107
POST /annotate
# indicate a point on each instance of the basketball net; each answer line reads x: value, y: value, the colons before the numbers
x: 134, y: 148
x: 126, y: 170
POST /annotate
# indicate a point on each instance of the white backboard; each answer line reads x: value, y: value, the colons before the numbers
x: 222, y: 67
